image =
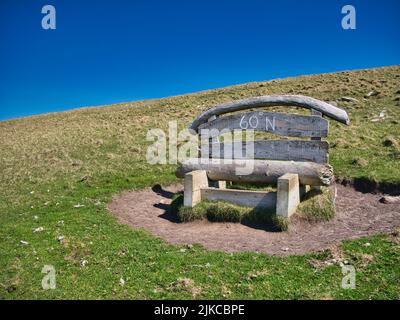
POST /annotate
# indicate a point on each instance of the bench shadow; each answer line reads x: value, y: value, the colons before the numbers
x: 169, y: 213
x: 260, y: 226
x: 367, y: 185
x: 158, y: 189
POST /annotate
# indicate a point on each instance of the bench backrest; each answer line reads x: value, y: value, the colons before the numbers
x: 314, y: 127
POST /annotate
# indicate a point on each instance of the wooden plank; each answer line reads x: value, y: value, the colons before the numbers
x: 273, y: 100
x: 248, y: 198
x: 258, y: 171
x: 316, y: 113
x: 210, y: 139
x: 283, y: 124
x: 296, y: 150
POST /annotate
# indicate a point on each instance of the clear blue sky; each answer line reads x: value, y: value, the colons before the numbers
x: 112, y: 51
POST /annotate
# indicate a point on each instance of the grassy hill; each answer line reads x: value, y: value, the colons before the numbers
x: 59, y: 170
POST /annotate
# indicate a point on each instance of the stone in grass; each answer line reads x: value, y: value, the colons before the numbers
x: 347, y: 99
x: 84, y: 263
x: 372, y: 93
x: 390, y: 200
x: 39, y: 229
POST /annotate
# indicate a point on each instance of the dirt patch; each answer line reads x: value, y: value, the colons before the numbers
x: 358, y: 214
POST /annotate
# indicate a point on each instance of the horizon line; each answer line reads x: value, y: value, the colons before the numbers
x: 68, y: 109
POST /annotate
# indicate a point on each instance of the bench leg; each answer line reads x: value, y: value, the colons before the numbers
x: 194, y: 182
x: 288, y: 195
x: 221, y: 184
x: 304, y: 188
x: 218, y: 184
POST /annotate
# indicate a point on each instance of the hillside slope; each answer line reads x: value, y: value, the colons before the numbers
x: 65, y: 167
x: 113, y: 138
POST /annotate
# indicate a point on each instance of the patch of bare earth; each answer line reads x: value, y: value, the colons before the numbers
x: 358, y: 214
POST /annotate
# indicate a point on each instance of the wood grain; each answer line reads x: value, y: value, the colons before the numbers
x: 258, y: 171
x: 296, y: 150
x: 283, y: 124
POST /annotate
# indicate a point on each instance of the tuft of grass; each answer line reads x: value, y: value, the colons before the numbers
x: 252, y: 186
x: 280, y: 223
x: 222, y: 211
x: 317, y: 205
x: 188, y: 214
x: 393, y: 145
x: 359, y: 162
x: 390, y: 141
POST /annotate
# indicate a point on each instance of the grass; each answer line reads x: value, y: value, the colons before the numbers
x: 222, y: 211
x: 58, y: 171
x: 317, y: 205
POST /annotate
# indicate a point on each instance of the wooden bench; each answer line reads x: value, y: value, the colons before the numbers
x: 293, y: 165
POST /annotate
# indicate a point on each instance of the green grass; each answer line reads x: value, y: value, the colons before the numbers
x: 51, y: 163
x: 222, y: 211
x: 317, y: 205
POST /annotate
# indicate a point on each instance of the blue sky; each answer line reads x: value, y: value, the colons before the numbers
x: 112, y: 51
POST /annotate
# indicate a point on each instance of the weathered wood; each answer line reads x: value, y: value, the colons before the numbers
x: 319, y: 114
x: 258, y: 171
x: 274, y: 100
x: 249, y: 198
x: 316, y: 113
x: 296, y: 150
x: 284, y: 124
